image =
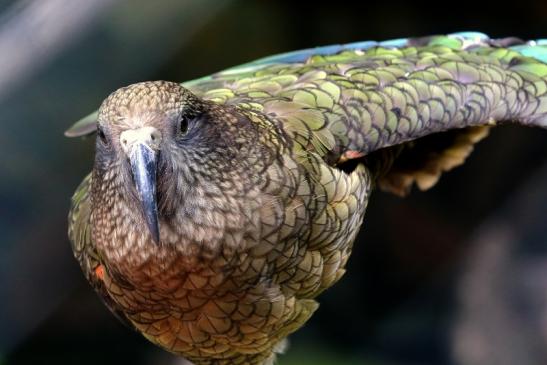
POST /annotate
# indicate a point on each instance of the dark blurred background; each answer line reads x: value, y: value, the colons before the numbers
x: 454, y: 276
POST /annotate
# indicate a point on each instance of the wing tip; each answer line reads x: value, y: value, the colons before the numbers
x: 83, y: 127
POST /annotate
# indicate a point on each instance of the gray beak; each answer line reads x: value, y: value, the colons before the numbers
x: 143, y: 162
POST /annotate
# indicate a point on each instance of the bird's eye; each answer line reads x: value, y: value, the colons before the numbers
x: 101, y: 134
x: 183, y: 125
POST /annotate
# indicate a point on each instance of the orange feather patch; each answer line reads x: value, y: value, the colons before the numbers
x: 99, y: 272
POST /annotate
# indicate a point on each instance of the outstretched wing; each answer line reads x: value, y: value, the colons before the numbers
x: 352, y: 100
x: 348, y: 101
x: 84, y: 250
x: 220, y: 80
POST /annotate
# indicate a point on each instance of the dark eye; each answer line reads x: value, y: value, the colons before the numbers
x: 183, y: 125
x: 101, y: 134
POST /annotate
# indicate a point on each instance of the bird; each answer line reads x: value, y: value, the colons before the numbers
x: 217, y: 210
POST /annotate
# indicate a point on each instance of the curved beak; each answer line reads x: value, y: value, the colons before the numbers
x: 141, y: 148
x: 143, y: 162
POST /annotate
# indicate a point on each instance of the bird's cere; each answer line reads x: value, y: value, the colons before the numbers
x: 148, y: 136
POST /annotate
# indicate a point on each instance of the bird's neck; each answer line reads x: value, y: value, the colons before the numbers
x: 197, y: 238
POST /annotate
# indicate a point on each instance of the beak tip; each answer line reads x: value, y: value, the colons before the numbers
x: 155, y: 236
x: 152, y: 222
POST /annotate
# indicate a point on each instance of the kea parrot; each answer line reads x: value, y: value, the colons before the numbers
x: 218, y: 209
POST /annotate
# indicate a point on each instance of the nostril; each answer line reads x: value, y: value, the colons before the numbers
x: 155, y: 136
x: 124, y: 141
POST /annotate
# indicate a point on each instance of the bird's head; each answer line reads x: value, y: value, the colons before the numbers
x: 164, y: 153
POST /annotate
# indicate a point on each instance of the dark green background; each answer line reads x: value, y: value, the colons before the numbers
x: 448, y: 277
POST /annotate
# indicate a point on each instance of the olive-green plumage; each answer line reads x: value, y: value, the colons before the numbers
x: 218, y: 210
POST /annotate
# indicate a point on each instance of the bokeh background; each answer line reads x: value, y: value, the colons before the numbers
x: 454, y: 276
